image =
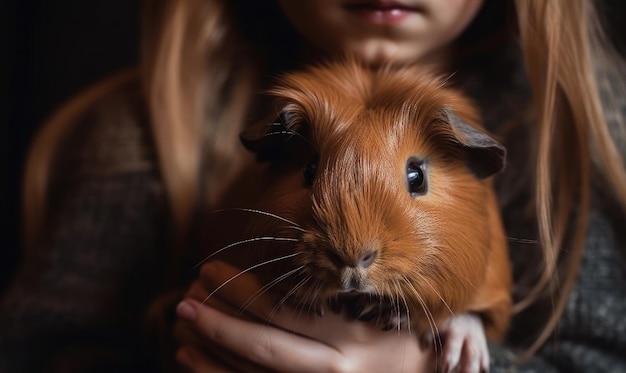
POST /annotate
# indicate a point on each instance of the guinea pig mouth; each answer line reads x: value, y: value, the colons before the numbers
x: 353, y: 280
x: 353, y: 286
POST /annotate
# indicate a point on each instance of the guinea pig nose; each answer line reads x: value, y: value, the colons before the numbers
x: 363, y: 261
x: 367, y: 259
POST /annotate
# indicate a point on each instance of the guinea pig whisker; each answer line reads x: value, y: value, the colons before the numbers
x: 242, y: 242
x: 317, y: 288
x: 429, y: 316
x: 406, y: 305
x: 315, y: 298
x: 303, y: 306
x: 394, y: 304
x: 292, y: 291
x: 261, y: 212
x: 408, y: 315
x: 246, y: 271
x: 292, y: 227
x: 425, y: 281
x: 266, y: 288
x: 284, y: 299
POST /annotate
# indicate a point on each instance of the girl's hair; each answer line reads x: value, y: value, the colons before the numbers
x: 203, y: 61
x: 575, y: 78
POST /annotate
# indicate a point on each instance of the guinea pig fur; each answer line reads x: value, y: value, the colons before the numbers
x: 376, y: 183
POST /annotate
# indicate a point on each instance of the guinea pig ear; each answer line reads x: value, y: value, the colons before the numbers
x: 485, y: 155
x: 265, y: 139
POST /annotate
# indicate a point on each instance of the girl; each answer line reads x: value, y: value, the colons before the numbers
x: 142, y: 157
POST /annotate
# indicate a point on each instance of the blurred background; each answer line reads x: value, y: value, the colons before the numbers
x: 54, y: 49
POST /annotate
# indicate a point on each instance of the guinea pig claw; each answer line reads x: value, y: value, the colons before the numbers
x: 464, y: 345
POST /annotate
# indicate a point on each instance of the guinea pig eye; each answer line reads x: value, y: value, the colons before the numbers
x: 415, y: 177
x: 310, y: 170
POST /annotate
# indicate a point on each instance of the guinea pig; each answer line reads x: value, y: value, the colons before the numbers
x: 374, y: 187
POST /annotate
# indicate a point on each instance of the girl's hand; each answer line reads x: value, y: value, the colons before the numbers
x: 217, y: 337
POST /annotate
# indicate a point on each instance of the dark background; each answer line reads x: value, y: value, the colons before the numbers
x: 53, y: 50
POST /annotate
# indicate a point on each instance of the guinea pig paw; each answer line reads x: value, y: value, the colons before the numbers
x: 464, y: 345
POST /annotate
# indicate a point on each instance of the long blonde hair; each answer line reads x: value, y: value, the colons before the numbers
x: 569, y: 63
x: 202, y: 64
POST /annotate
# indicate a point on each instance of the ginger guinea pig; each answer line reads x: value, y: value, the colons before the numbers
x: 375, y: 186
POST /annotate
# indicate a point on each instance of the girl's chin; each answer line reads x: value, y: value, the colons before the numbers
x: 390, y: 53
x: 376, y: 52
x: 386, y: 53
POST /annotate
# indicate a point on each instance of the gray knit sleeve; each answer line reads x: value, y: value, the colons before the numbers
x: 591, y: 335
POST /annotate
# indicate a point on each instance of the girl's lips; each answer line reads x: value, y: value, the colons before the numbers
x: 382, y: 12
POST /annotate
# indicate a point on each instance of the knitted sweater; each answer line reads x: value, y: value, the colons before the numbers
x: 79, y: 298
x: 77, y: 301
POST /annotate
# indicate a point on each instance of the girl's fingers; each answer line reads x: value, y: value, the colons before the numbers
x: 264, y: 345
x: 198, y: 352
x: 246, y: 297
x: 198, y: 292
x: 240, y: 289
